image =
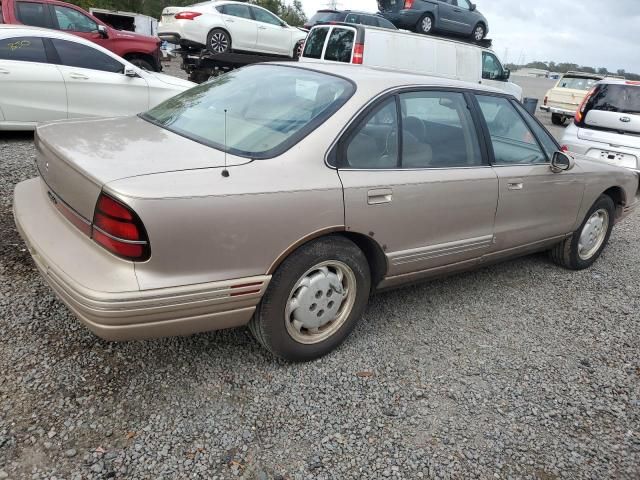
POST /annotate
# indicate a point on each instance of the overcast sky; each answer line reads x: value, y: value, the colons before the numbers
x: 595, y: 33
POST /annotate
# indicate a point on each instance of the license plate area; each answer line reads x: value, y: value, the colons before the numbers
x: 615, y: 158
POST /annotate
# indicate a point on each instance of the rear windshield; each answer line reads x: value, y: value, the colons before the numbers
x: 616, y: 98
x: 315, y: 42
x: 340, y: 45
x: 269, y: 108
x: 577, y: 83
x: 325, y: 17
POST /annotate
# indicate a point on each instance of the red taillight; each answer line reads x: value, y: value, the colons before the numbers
x: 564, y: 148
x: 358, y: 53
x: 580, y: 111
x: 408, y: 4
x: 187, y: 15
x: 119, y: 230
x: 546, y: 99
x: 632, y: 82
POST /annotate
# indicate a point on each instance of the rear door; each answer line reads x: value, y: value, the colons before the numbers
x: 96, y: 84
x: 241, y: 25
x: 31, y: 89
x: 272, y: 37
x: 415, y: 179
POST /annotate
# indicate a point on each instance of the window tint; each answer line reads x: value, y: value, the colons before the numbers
x: 26, y: 49
x: 34, y: 14
x: 464, y: 4
x: 374, y: 145
x: 437, y: 131
x: 325, y: 17
x: 577, y: 83
x: 616, y: 98
x: 369, y: 20
x: 340, y: 45
x: 269, y: 109
x: 513, y: 143
x: 491, y: 68
x: 74, y: 54
x: 1, y: 19
x: 384, y: 23
x: 547, y: 141
x: 315, y: 42
x: 74, y: 21
x: 234, y: 10
x: 352, y: 18
x: 265, y: 17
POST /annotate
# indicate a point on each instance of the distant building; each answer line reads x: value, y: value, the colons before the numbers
x: 531, y: 72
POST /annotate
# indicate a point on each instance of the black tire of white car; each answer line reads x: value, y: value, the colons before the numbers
x: 269, y: 324
x: 297, y: 50
x: 558, y: 119
x: 425, y: 26
x: 218, y: 42
x: 566, y: 253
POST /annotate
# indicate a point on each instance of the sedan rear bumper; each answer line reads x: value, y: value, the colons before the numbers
x: 171, y: 37
x: 123, y: 315
x: 558, y: 110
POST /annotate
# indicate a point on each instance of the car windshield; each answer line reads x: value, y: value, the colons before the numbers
x: 617, y: 98
x: 577, y: 83
x: 266, y: 108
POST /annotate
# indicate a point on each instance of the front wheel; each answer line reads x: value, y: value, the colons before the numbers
x: 218, y: 41
x: 583, y: 248
x: 425, y: 24
x: 479, y: 32
x: 297, y: 50
x: 314, y: 300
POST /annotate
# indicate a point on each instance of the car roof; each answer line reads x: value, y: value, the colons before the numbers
x: 385, y: 78
x: 359, y: 12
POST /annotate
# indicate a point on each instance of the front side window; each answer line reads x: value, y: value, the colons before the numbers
x: 315, y: 43
x: 548, y: 143
x: 265, y: 17
x: 464, y: 4
x: 234, y: 10
x: 352, y: 18
x: 438, y: 131
x: 34, y: 14
x: 369, y: 20
x: 384, y: 23
x: 374, y: 144
x: 25, y: 49
x: 512, y: 140
x: 269, y: 109
x: 491, y: 68
x: 74, y: 21
x: 74, y: 54
x: 340, y: 45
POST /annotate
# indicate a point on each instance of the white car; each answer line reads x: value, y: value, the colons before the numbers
x: 50, y: 75
x: 223, y: 27
x: 607, y: 124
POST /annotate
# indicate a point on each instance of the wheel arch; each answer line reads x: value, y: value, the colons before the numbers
x: 372, y: 250
x: 619, y: 198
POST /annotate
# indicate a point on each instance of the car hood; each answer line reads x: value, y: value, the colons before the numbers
x: 127, y: 35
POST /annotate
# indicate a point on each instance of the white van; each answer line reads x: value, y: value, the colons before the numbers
x: 407, y: 52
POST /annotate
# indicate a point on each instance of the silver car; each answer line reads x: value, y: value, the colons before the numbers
x: 606, y: 127
x: 281, y: 196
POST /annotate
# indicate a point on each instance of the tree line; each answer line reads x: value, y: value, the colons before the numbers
x: 291, y: 13
x: 564, y: 67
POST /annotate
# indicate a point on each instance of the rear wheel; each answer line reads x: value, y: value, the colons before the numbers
x: 478, y: 32
x: 558, y: 119
x: 425, y: 24
x: 583, y: 248
x: 218, y: 41
x: 314, y: 300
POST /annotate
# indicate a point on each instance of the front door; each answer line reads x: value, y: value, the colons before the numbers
x: 241, y: 25
x: 273, y: 36
x: 450, y: 16
x: 96, y: 84
x: 415, y: 180
x: 535, y: 204
x: 31, y: 89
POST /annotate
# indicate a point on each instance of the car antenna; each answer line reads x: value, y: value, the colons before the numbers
x: 225, y: 172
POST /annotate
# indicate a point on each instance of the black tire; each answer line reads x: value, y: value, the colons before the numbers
x: 558, y: 119
x: 268, y: 324
x: 142, y: 63
x: 218, y: 42
x: 566, y: 253
x: 199, y: 77
x: 297, y: 50
x: 422, y: 26
x: 478, y: 32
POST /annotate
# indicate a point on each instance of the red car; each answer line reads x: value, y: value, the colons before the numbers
x: 141, y: 50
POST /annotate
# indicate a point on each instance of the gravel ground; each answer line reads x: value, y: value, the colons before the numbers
x: 520, y: 370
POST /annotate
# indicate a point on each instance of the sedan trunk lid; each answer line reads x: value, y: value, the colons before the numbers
x: 76, y: 158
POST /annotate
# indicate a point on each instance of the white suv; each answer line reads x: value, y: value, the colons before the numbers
x: 225, y: 26
x: 607, y: 124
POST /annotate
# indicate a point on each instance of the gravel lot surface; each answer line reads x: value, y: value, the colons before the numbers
x: 520, y: 370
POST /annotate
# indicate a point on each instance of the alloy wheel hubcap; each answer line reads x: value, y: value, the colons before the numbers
x: 479, y: 33
x: 219, y: 42
x: 593, y: 234
x: 320, y: 302
x: 426, y: 24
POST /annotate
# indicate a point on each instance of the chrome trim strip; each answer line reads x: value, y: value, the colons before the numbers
x: 117, y: 239
x: 441, y: 250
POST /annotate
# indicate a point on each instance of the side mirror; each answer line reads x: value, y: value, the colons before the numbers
x: 561, y: 162
x: 102, y: 31
x: 506, y: 74
x: 130, y: 72
x: 472, y: 7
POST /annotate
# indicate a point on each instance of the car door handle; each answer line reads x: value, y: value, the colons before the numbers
x: 262, y: 28
x: 229, y: 20
x: 457, y: 10
x: 78, y: 76
x: 515, y: 185
x: 2, y: 70
x: 380, y: 195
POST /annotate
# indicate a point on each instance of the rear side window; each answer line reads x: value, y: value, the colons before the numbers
x: 234, y: 10
x: 384, y: 23
x: 616, y: 98
x: 315, y: 43
x: 74, y: 54
x: 577, y: 83
x: 25, y: 49
x: 34, y: 14
x: 340, y: 45
x: 324, y: 17
x: 369, y: 20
